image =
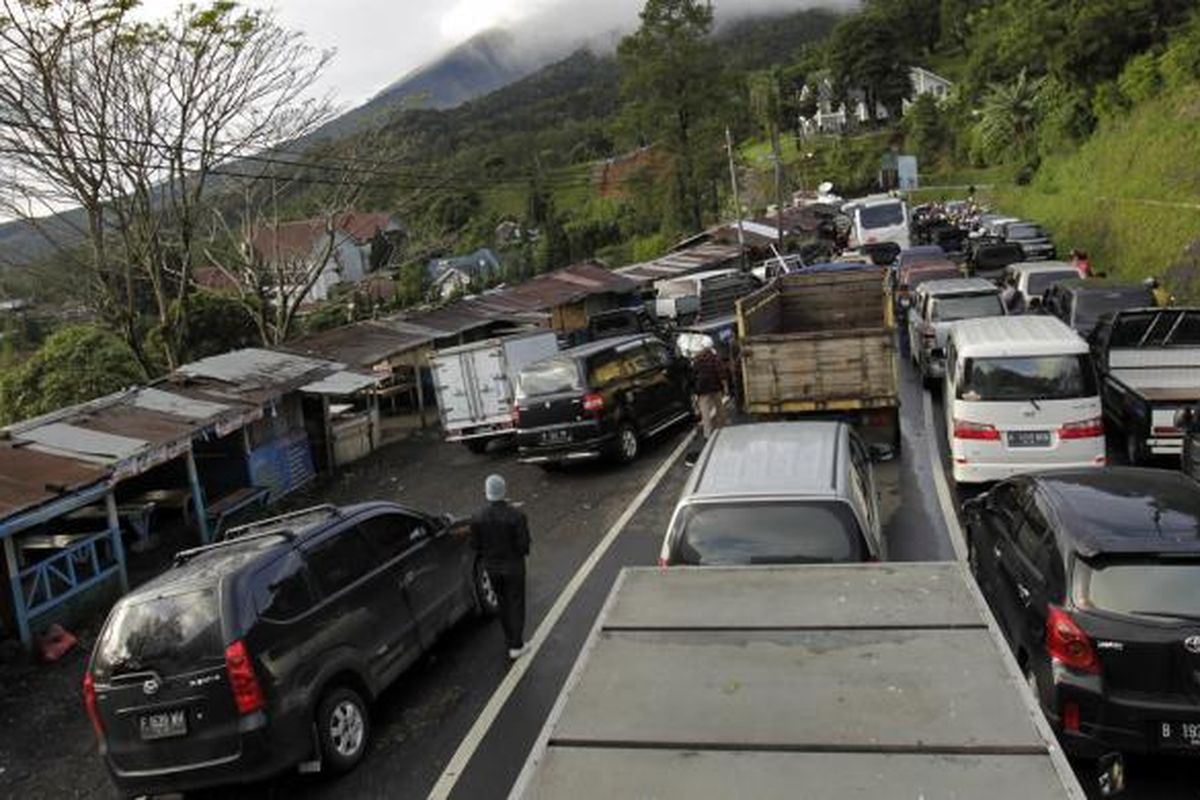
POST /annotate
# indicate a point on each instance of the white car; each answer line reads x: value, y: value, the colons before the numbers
x: 1021, y: 395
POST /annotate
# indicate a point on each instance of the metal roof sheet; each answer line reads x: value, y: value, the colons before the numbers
x: 363, y: 344
x: 29, y: 478
x: 176, y: 405
x: 256, y: 368
x: 59, y: 438
x: 694, y: 259
x: 340, y: 383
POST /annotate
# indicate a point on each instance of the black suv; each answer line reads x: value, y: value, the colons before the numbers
x: 1081, y: 302
x: 600, y: 399
x: 261, y: 652
x: 1094, y: 576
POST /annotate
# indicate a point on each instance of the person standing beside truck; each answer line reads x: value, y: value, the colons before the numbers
x: 711, y: 386
x: 500, y: 534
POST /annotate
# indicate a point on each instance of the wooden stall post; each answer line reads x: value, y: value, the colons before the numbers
x: 198, y: 501
x: 114, y: 530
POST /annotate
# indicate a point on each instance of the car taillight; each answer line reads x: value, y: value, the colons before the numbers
x: 89, y: 703
x: 1166, y: 430
x: 1087, y: 429
x: 1068, y: 644
x: 593, y: 403
x: 1070, y: 717
x: 247, y: 694
x: 980, y: 431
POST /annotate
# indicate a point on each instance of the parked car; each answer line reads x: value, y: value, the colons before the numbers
x: 1033, y: 240
x: 257, y: 653
x: 1030, y: 280
x: 619, y: 322
x: 987, y: 257
x: 600, y: 399
x: 778, y: 493
x: 1021, y: 395
x: 907, y: 279
x: 1081, y: 302
x: 919, y: 254
x: 936, y: 305
x: 879, y: 226
x: 1092, y: 576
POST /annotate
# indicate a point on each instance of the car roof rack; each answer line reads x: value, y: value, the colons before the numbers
x: 183, y: 556
x: 239, y: 531
x: 248, y: 532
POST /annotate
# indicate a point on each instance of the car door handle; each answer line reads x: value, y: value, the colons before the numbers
x: 1023, y: 593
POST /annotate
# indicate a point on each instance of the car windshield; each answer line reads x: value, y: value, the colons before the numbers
x: 1090, y: 306
x: 1143, y: 587
x: 967, y: 306
x: 1027, y: 378
x: 881, y: 216
x: 768, y: 533
x: 170, y: 634
x: 1039, y: 282
x: 1025, y: 232
x: 549, y: 377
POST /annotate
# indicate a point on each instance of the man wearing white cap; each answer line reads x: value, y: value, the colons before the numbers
x: 501, y: 537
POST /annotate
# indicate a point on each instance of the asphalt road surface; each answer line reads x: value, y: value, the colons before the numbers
x: 461, y: 722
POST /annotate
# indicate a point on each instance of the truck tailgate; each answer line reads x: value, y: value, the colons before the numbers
x: 863, y: 680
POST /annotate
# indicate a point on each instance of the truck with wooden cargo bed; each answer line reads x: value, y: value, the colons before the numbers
x: 822, y: 344
x: 819, y: 681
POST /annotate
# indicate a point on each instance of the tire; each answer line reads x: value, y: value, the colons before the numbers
x: 487, y: 602
x: 477, y: 446
x: 627, y: 445
x: 343, y: 729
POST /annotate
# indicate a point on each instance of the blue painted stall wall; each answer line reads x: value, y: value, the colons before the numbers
x: 282, y: 465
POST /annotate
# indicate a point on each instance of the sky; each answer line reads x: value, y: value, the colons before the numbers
x: 379, y: 41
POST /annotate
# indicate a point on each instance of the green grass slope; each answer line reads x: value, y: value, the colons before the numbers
x: 1130, y: 195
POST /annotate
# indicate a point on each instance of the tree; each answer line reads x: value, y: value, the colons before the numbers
x: 75, y: 364
x: 867, y: 55
x: 766, y: 104
x: 673, y: 87
x: 927, y: 131
x: 1009, y: 118
x: 131, y: 121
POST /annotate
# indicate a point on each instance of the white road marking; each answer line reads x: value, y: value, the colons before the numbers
x: 945, y: 498
x: 483, y: 723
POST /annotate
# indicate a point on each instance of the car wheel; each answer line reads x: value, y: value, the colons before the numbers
x: 627, y: 443
x: 487, y: 602
x: 344, y: 728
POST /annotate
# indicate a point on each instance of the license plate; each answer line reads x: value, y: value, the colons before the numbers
x: 1179, y: 734
x: 163, y: 724
x: 1029, y: 438
x: 555, y: 437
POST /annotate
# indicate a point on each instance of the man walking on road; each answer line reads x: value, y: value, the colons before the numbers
x: 500, y: 534
x: 711, y: 386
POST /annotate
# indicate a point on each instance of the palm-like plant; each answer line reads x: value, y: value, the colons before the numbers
x: 1008, y: 120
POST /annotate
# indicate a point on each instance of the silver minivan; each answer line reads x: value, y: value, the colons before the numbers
x: 778, y: 493
x: 938, y: 304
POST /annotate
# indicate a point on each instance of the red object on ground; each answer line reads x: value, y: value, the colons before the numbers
x: 55, y: 643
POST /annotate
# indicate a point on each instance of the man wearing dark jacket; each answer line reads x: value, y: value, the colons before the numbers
x: 500, y: 534
x: 711, y: 386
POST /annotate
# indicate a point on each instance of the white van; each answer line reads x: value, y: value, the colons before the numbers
x: 1021, y: 395
x: 878, y: 220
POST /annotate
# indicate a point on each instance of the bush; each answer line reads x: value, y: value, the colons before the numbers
x: 1179, y: 65
x: 1140, y: 80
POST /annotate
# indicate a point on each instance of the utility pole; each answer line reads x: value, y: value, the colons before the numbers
x: 737, y: 201
x: 778, y: 180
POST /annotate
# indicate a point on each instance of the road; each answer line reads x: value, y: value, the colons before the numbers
x: 463, y: 706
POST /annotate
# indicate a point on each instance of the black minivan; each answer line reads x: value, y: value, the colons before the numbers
x: 255, y: 654
x: 1094, y: 577
x: 600, y: 399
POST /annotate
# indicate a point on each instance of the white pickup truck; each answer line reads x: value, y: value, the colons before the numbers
x: 823, y: 682
x: 1149, y: 360
x: 475, y: 383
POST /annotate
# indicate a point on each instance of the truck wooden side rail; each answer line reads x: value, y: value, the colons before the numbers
x: 822, y: 343
x: 824, y: 682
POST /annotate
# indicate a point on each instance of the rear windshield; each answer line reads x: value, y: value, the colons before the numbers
x: 1039, y: 282
x: 170, y: 635
x: 548, y: 377
x: 1090, y: 306
x: 1144, y: 588
x: 967, y: 306
x: 1027, y: 378
x: 882, y: 216
x: 768, y: 533
x: 1166, y: 328
x: 1025, y: 232
x: 918, y: 276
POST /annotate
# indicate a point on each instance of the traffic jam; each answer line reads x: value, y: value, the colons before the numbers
x: 1059, y: 416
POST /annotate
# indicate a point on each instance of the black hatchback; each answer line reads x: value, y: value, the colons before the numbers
x: 262, y: 652
x: 1094, y: 576
x: 600, y: 399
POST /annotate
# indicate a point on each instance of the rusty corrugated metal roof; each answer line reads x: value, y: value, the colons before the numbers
x: 684, y: 262
x: 363, y: 344
x: 29, y: 479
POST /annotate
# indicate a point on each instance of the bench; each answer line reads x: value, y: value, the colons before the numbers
x: 221, y: 509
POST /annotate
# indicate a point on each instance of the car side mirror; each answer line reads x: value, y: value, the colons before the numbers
x: 881, y: 452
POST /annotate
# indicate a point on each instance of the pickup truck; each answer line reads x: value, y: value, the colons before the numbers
x: 474, y: 384
x: 822, y: 344
x: 823, y: 681
x: 1149, y: 363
